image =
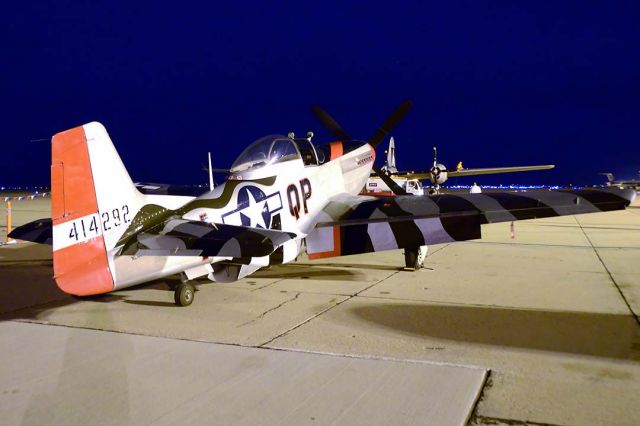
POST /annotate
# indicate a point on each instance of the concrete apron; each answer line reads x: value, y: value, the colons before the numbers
x: 62, y: 375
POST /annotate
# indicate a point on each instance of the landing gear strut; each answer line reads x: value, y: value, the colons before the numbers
x: 414, y: 258
x: 184, y: 294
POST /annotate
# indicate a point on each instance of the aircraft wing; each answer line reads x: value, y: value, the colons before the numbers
x: 483, y: 171
x: 171, y: 189
x: 495, y: 170
x: 361, y: 224
x: 180, y: 237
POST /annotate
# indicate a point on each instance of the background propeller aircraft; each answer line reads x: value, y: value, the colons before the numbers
x: 621, y: 183
x: 280, y: 192
x: 437, y: 174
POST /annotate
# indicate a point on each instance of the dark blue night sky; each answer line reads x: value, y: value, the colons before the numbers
x: 494, y: 83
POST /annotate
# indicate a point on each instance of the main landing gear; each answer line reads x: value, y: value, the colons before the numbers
x: 414, y: 258
x: 184, y: 294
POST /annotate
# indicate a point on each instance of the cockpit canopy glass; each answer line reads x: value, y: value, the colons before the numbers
x: 266, y: 151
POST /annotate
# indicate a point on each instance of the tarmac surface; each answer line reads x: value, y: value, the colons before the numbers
x: 539, y: 329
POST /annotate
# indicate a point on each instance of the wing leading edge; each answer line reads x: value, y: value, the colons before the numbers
x: 366, y: 224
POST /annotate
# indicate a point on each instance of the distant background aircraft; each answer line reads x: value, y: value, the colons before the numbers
x: 631, y: 183
x: 438, y: 174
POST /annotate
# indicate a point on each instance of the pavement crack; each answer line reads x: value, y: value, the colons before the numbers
x: 301, y: 323
x: 267, y: 285
x: 259, y: 317
x: 325, y: 310
x: 432, y: 252
x: 371, y: 286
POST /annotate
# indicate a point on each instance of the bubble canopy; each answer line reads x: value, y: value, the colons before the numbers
x: 266, y: 151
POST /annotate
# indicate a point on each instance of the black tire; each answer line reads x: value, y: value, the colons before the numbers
x: 411, y: 259
x: 184, y: 294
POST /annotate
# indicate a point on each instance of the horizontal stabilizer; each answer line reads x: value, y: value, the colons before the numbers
x: 170, y: 189
x: 39, y: 231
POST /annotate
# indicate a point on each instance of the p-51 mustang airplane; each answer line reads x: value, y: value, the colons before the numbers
x: 281, y: 191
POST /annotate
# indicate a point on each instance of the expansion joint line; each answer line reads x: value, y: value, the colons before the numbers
x: 615, y: 283
x: 477, y: 419
x: 484, y: 420
x: 487, y: 383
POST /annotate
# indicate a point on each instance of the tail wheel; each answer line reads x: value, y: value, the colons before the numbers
x: 184, y: 294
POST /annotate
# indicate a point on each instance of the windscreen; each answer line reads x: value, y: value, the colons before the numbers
x: 266, y: 151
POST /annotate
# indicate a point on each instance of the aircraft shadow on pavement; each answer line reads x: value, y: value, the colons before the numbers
x: 29, y: 291
x: 306, y: 271
x: 26, y: 253
x: 24, y: 286
x: 157, y: 303
x: 38, y: 312
x: 163, y: 284
x: 377, y: 267
x: 601, y: 335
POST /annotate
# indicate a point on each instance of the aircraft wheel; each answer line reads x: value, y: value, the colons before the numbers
x: 184, y: 294
x: 414, y: 258
x: 411, y: 259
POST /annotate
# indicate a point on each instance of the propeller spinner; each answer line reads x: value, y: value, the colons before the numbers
x: 438, y: 172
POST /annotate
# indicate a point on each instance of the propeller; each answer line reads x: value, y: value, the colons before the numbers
x: 437, y: 170
x: 329, y: 123
x: 393, y: 186
x: 392, y: 120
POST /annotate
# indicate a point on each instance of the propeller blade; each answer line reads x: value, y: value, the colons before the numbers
x: 391, y: 122
x: 393, y: 186
x: 329, y: 123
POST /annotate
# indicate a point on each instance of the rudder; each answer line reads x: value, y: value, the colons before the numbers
x: 92, y: 201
